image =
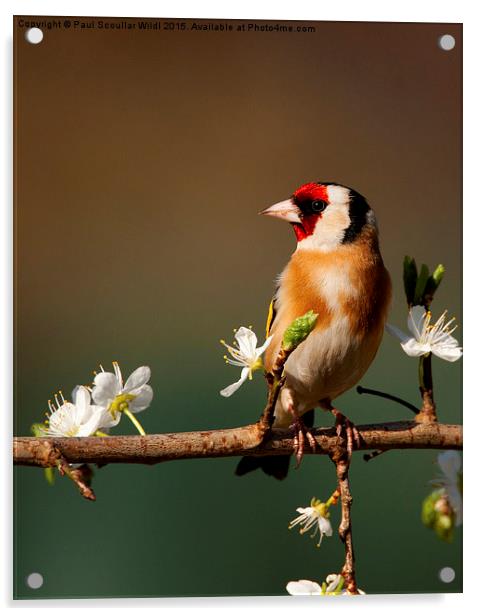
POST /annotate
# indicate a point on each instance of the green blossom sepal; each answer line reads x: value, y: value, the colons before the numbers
x: 339, y: 580
x: 120, y: 404
x: 38, y: 430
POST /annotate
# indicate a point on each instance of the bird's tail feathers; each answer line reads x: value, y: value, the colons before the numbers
x: 275, y: 466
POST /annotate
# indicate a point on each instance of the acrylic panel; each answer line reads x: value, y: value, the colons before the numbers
x: 144, y: 151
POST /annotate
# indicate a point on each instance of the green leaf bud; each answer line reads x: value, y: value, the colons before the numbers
x: 433, y: 283
x: 444, y: 527
x: 299, y: 330
x: 428, y: 509
x: 438, y: 274
x: 420, y: 286
x: 410, y: 276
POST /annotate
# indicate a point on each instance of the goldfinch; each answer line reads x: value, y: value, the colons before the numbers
x: 338, y: 272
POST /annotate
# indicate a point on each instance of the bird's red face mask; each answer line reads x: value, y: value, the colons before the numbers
x: 303, y: 210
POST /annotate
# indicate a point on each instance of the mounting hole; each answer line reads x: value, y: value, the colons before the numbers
x: 35, y: 581
x: 34, y: 35
x: 447, y: 575
x: 446, y: 42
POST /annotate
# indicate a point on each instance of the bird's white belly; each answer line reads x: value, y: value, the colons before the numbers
x: 329, y: 362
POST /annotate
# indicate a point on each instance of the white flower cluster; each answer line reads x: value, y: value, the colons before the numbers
x: 101, y: 406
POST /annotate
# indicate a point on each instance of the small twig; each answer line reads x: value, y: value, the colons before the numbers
x: 279, y: 364
x: 374, y: 454
x: 428, y: 412
x: 342, y: 464
x: 382, y: 394
x: 275, y: 380
x: 81, y: 476
x: 266, y: 420
x: 334, y: 498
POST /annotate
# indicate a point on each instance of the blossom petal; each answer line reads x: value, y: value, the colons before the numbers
x: 415, y: 320
x: 230, y: 389
x: 303, y: 587
x: 394, y: 331
x: 81, y: 396
x: 325, y: 527
x: 61, y: 422
x: 450, y: 462
x: 92, y: 424
x: 137, y: 379
x: 447, y: 351
x: 81, y: 399
x: 414, y: 348
x: 106, y: 388
x: 247, y: 340
x: 332, y: 581
x: 264, y: 346
x: 107, y: 421
x: 142, y: 400
x: 455, y: 500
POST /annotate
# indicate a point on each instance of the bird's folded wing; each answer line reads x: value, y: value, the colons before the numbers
x: 270, y: 317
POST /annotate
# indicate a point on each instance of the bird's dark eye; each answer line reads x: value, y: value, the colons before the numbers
x: 318, y: 206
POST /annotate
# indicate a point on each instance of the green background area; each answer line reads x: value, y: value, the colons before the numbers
x: 142, y: 158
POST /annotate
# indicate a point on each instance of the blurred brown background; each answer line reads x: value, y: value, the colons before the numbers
x: 142, y: 159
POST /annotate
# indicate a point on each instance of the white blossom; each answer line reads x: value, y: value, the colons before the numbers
x: 116, y: 396
x: 77, y: 418
x: 427, y: 338
x: 316, y: 515
x: 245, y: 355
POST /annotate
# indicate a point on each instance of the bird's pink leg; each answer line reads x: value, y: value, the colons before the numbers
x: 301, y: 433
x: 343, y: 423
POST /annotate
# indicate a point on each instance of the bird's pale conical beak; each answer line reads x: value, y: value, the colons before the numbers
x: 286, y: 210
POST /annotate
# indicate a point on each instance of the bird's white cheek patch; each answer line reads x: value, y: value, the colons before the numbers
x: 329, y: 230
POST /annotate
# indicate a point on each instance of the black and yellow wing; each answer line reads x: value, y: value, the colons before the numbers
x: 271, y: 313
x: 270, y: 317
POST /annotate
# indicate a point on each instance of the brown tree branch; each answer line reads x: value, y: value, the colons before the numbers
x: 246, y: 440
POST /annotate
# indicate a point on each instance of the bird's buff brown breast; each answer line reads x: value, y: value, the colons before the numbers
x: 349, y: 285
